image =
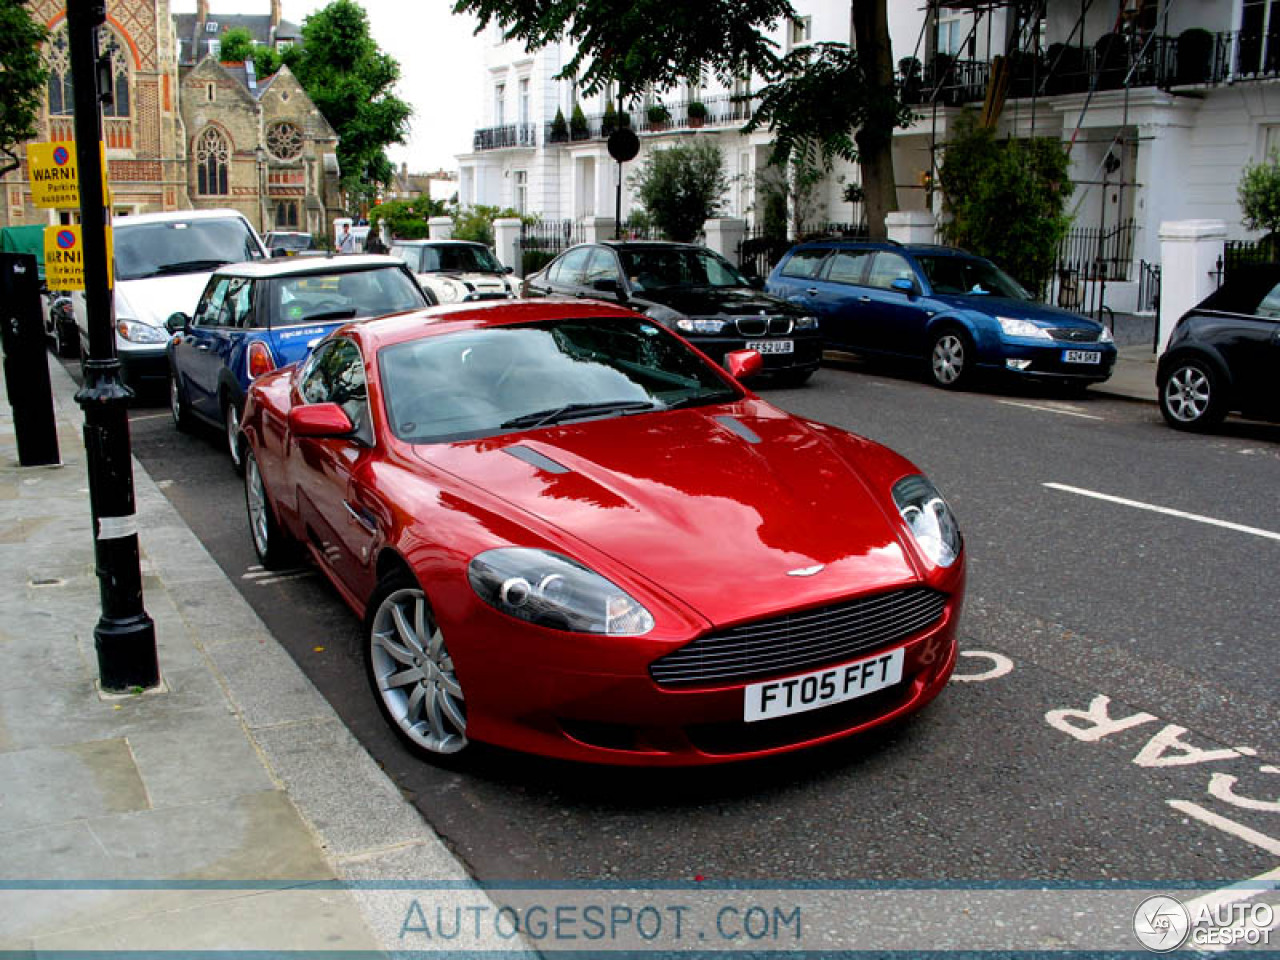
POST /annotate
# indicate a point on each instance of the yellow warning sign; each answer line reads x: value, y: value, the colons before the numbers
x: 64, y: 257
x: 55, y: 176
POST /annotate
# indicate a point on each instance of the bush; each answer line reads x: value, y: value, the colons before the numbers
x: 697, y: 110
x: 559, y: 128
x: 610, y: 119
x: 681, y: 187
x: 1259, y: 194
x: 406, y: 219
x: 476, y: 223
x: 1007, y: 199
x: 1195, y: 55
x: 658, y: 115
x: 236, y: 46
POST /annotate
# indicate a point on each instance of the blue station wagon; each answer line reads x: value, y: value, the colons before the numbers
x: 257, y: 317
x: 960, y: 313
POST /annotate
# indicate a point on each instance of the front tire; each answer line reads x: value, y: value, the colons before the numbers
x: 411, y: 671
x: 1191, y: 396
x: 235, y: 442
x: 273, y: 546
x: 951, y: 357
x: 178, y: 406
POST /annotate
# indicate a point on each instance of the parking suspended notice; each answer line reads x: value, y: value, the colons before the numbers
x: 64, y: 257
x: 55, y: 174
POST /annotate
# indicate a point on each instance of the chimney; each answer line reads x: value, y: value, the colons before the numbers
x: 275, y: 14
x: 202, y: 13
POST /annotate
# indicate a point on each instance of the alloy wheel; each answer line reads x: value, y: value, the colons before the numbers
x: 948, y: 359
x: 414, y: 673
x: 256, y: 499
x: 233, y: 434
x: 1188, y: 394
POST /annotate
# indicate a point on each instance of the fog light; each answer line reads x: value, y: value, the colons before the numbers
x: 1017, y: 364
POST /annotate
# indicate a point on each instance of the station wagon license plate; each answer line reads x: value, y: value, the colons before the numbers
x: 1081, y: 356
x: 774, y: 346
x: 822, y: 688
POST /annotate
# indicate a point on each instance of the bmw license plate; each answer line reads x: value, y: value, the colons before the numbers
x: 773, y: 346
x: 822, y: 688
x: 1081, y: 356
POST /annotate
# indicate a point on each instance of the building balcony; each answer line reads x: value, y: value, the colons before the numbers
x: 505, y: 137
x: 719, y: 112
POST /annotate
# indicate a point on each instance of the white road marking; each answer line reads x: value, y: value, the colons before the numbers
x: 1044, y: 409
x: 150, y: 416
x: 1244, y: 890
x: 1000, y: 665
x: 282, y: 578
x: 1226, y: 825
x: 1168, y: 512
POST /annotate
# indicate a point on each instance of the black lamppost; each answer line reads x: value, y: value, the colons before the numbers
x: 125, y: 636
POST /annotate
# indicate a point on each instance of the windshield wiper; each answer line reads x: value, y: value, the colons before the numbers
x: 569, y: 411
x: 188, y: 266
x: 346, y: 314
x: 699, y: 399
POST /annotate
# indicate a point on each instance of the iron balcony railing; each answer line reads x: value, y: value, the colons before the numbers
x: 505, y: 137
x: 721, y: 110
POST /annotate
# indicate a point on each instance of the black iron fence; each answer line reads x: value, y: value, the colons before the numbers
x: 761, y: 248
x: 509, y: 135
x: 1240, y: 253
x: 1100, y: 251
x: 1148, y: 287
x: 542, y: 241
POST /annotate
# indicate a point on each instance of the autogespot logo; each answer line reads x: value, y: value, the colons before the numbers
x: 1161, y: 924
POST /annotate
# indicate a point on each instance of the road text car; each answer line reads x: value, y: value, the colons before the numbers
x: 570, y: 534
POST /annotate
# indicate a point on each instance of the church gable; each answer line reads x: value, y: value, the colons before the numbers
x: 283, y: 99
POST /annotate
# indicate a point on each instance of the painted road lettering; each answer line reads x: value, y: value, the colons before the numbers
x: 1000, y: 666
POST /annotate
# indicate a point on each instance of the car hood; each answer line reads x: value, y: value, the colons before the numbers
x: 714, y: 301
x: 153, y: 299
x: 481, y: 280
x: 1020, y: 309
x: 731, y: 527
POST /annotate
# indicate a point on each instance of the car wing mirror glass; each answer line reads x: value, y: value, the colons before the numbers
x: 607, y: 285
x: 904, y: 285
x: 177, y: 322
x: 743, y: 364
x: 319, y: 420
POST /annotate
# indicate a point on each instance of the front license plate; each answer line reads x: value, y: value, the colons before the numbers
x: 773, y: 346
x: 1081, y: 356
x: 822, y: 688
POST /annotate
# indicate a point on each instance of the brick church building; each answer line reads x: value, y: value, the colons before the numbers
x: 187, y: 132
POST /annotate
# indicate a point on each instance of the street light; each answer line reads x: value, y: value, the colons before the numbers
x: 261, y: 156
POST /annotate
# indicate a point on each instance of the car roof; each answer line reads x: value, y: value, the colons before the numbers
x: 648, y: 244
x: 436, y: 243
x: 845, y: 243
x: 382, y: 332
x: 176, y: 216
x: 294, y: 266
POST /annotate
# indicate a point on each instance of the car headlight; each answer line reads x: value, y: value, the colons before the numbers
x: 806, y: 323
x: 1105, y: 336
x: 450, y: 290
x: 551, y: 590
x: 930, y: 519
x: 700, y: 325
x: 1017, y: 327
x: 136, y: 332
x: 664, y: 315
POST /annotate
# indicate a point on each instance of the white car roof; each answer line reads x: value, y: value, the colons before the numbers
x: 292, y: 266
x: 436, y: 243
x: 176, y: 216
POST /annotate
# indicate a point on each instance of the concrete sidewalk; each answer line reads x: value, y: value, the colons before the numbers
x: 1134, y: 375
x: 229, y: 810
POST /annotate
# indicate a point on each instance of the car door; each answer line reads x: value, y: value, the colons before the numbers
x: 322, y: 468
x: 229, y: 345
x: 842, y: 298
x: 602, y: 269
x: 196, y: 353
x: 794, y: 281
x: 1253, y: 353
x: 569, y: 273
x: 895, y: 319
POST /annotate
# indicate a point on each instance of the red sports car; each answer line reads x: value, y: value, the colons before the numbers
x: 572, y: 534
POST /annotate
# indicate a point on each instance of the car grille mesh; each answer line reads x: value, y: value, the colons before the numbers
x: 1074, y: 334
x: 800, y: 641
x: 759, y: 326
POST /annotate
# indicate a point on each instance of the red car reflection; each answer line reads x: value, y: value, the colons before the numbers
x: 572, y: 534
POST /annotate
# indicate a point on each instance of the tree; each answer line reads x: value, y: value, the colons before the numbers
x: 407, y: 219
x: 22, y: 79
x: 1007, y: 199
x: 351, y: 82
x: 476, y: 223
x: 236, y: 46
x: 1259, y: 194
x: 681, y: 187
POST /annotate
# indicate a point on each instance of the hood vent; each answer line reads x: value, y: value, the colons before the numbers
x: 535, y: 459
x: 740, y: 428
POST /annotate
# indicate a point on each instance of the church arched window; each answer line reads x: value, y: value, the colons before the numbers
x: 61, y: 100
x: 212, y: 155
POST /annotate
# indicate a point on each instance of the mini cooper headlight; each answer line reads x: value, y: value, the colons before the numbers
x: 1017, y: 327
x: 931, y: 521
x: 450, y: 290
x: 553, y: 591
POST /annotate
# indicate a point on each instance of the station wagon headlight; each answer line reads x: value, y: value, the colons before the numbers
x: 1017, y: 327
x: 930, y: 519
x: 700, y: 325
x: 136, y: 332
x: 550, y: 590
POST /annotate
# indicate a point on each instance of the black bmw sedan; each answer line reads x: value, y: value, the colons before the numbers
x: 695, y: 292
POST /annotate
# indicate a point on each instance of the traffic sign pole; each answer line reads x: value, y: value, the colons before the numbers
x: 125, y: 635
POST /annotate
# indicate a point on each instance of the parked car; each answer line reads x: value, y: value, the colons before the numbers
x: 570, y: 534
x: 456, y: 270
x: 960, y: 313
x: 289, y: 243
x: 693, y: 291
x: 60, y: 322
x: 256, y: 317
x: 1223, y: 354
x: 162, y: 263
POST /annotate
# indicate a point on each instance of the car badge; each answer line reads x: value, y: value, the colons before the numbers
x: 807, y: 571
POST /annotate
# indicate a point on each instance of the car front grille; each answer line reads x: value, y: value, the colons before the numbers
x: 799, y: 641
x: 759, y: 326
x: 1074, y: 335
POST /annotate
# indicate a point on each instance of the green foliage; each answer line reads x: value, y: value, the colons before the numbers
x: 697, y: 110
x: 476, y: 223
x: 1259, y: 194
x: 657, y: 114
x: 681, y: 187
x: 22, y: 79
x: 266, y: 61
x: 351, y: 82
x: 1007, y: 199
x: 236, y: 46
x: 407, y: 219
x: 639, y: 43
x: 531, y: 261
x: 578, y: 122
x: 559, y: 127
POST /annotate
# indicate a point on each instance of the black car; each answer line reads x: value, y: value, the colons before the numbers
x: 695, y: 292
x: 1223, y: 354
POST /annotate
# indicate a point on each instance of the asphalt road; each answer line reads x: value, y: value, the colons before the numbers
x: 1007, y: 776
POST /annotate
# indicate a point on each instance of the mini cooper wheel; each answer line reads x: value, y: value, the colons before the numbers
x: 950, y: 358
x: 178, y: 405
x: 235, y: 442
x: 272, y: 545
x: 1191, y: 396
x: 411, y: 670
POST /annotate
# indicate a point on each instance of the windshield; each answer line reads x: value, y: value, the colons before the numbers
x: 656, y: 267
x: 181, y: 246
x: 477, y: 383
x: 346, y: 295
x: 290, y: 241
x: 969, y: 276
x: 448, y: 258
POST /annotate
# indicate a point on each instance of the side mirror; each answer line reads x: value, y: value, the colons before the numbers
x: 903, y: 285
x: 319, y: 420
x: 743, y: 363
x: 508, y: 269
x: 177, y: 322
x: 278, y: 252
x: 607, y: 285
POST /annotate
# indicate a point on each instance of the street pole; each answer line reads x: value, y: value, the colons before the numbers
x: 125, y: 636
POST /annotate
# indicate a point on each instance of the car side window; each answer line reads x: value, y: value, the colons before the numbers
x: 888, y: 267
x: 209, y: 310
x: 573, y: 267
x: 335, y: 374
x: 848, y: 266
x: 804, y: 264
x: 1270, y: 305
x: 602, y: 266
x: 237, y: 306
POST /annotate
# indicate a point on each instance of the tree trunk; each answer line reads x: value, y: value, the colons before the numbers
x: 870, y: 27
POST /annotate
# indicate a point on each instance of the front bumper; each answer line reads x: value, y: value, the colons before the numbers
x: 142, y: 364
x: 1038, y: 360
x: 592, y: 699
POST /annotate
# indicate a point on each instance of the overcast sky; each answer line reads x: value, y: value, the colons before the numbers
x: 441, y: 69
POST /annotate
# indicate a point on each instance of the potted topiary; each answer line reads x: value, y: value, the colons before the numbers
x: 1111, y: 54
x: 697, y: 112
x: 1195, y: 56
x: 578, y: 129
x: 559, y: 128
x: 910, y: 76
x: 658, y: 116
x: 609, y: 122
